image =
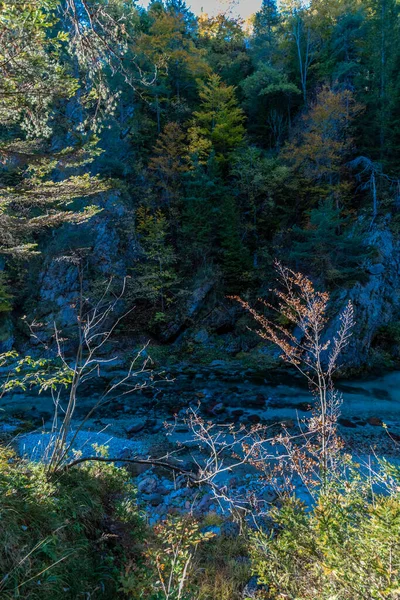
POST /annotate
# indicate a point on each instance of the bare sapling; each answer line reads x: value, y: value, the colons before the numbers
x: 304, y: 345
x: 94, y: 328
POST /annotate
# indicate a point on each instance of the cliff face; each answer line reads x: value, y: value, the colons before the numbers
x: 205, y: 318
x: 377, y: 302
x: 53, y: 281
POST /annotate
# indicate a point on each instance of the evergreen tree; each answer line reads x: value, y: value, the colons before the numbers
x: 218, y: 124
x: 156, y: 276
x: 235, y: 258
x: 269, y: 100
x: 264, y: 38
x: 258, y: 183
x: 200, y: 214
x: 166, y: 47
x: 224, y: 41
x: 379, y: 82
x: 35, y: 80
x: 327, y: 248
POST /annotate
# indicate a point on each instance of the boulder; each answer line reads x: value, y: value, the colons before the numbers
x: 218, y: 409
x: 256, y: 401
x: 376, y: 301
x: 254, y: 418
x: 346, y: 423
x: 153, y: 499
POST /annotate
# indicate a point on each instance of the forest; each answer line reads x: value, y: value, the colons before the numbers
x: 199, y: 300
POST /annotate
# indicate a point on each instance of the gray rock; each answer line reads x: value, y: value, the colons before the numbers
x: 219, y: 364
x: 148, y: 485
x: 252, y: 588
x: 376, y: 302
x: 218, y: 408
x: 137, y: 426
x: 153, y: 499
x: 201, y: 336
x: 204, y: 503
x: 161, y: 490
x: 34, y: 445
x: 376, y: 269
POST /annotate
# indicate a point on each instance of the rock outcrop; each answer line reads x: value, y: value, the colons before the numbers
x: 376, y: 302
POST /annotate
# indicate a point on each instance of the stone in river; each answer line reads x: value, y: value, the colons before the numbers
x: 346, y: 422
x: 237, y: 413
x: 381, y: 394
x: 136, y: 427
x: 258, y: 400
x: 254, y: 418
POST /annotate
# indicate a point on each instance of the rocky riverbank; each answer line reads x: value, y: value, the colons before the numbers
x: 149, y: 422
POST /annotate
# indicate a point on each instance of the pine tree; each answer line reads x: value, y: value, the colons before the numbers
x: 264, y: 38
x: 218, y: 124
x: 269, y: 101
x: 35, y: 79
x: 156, y: 276
x: 379, y: 82
x: 166, y: 49
x: 235, y: 258
x: 224, y: 41
x: 200, y: 215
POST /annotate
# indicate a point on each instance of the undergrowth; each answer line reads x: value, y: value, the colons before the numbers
x: 60, y: 538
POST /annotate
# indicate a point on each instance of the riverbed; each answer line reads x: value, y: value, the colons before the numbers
x: 150, y: 422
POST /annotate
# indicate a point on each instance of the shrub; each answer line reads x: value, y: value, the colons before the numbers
x: 347, y: 547
x: 167, y: 574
